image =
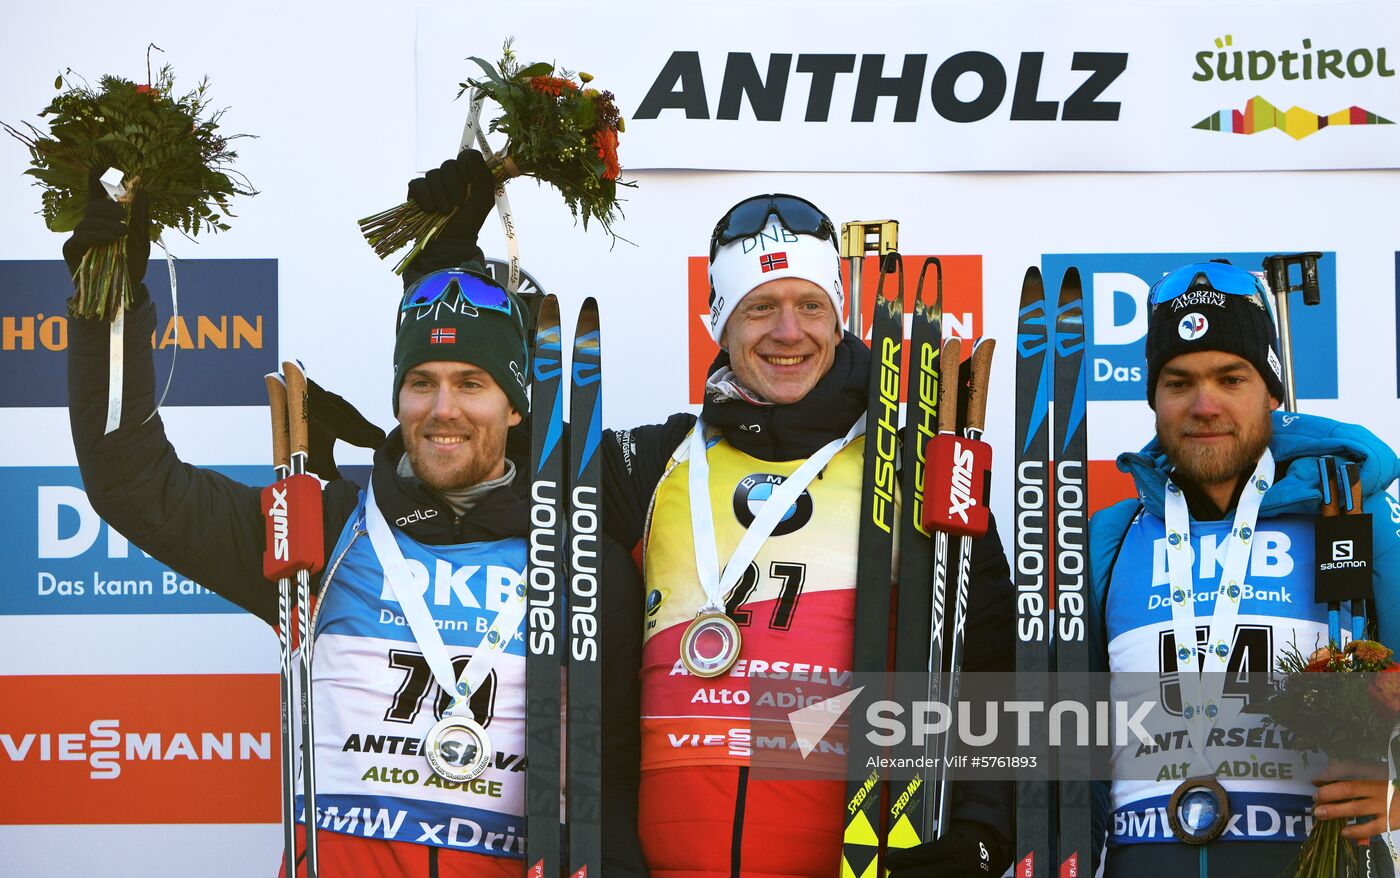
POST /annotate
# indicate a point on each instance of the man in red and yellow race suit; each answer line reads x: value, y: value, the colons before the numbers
x: 787, y: 382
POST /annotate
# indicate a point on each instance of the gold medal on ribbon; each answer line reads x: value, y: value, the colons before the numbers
x: 710, y: 644
x: 457, y: 748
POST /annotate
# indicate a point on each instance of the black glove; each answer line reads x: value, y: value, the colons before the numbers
x: 969, y: 850
x: 463, y: 184
x: 105, y: 221
x: 330, y: 417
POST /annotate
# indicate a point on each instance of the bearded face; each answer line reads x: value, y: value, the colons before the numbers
x: 1213, y: 416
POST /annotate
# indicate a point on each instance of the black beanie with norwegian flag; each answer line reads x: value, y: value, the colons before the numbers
x: 454, y: 330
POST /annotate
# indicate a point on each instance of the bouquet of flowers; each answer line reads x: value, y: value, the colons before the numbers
x: 1344, y: 703
x: 560, y: 131
x: 167, y: 147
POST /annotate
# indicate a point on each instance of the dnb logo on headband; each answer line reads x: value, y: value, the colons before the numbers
x: 754, y: 490
x: 1115, y: 310
x: 1193, y: 326
x: 226, y: 331
x: 962, y: 306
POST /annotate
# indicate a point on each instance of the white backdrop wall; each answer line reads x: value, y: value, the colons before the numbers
x: 351, y: 100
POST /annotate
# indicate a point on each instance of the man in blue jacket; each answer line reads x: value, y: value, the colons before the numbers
x: 1211, y: 567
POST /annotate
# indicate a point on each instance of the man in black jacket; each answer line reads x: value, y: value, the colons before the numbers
x: 787, y: 384
x: 441, y: 489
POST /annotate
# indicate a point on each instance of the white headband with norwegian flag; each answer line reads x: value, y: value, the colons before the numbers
x: 774, y: 253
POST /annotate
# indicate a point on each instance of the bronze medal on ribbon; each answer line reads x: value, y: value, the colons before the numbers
x: 1198, y: 810
x: 710, y: 644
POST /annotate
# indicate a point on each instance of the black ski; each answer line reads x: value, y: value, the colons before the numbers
x: 1071, y: 560
x: 1034, y: 798
x: 585, y: 730
x: 545, y: 628
x: 910, y: 815
x: 860, y: 844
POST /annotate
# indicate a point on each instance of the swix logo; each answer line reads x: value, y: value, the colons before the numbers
x: 962, y: 307
x: 278, y: 514
x: 416, y: 516
x: 1116, y: 288
x: 960, y: 497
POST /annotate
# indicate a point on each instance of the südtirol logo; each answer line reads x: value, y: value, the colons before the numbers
x: 1287, y: 64
x: 962, y: 307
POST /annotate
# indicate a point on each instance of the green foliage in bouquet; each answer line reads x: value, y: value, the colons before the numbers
x: 559, y: 130
x: 168, y: 147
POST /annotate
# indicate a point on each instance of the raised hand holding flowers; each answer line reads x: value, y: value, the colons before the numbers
x: 558, y: 131
x: 169, y: 149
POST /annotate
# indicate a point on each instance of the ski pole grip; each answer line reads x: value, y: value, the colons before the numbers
x: 949, y: 361
x: 977, y: 390
x: 277, y: 402
x: 296, y: 407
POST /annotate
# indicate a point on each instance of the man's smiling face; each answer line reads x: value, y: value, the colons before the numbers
x: 782, y: 339
x: 454, y: 418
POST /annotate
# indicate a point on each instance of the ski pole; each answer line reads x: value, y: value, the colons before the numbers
x: 858, y: 238
x: 1327, y: 477
x: 1276, y: 274
x: 1349, y: 486
x: 277, y: 402
x: 965, y: 462
x: 949, y: 362
x: 297, y: 428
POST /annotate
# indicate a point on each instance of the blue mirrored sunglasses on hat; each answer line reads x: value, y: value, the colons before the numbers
x: 476, y: 290
x: 748, y: 217
x: 1218, y: 276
